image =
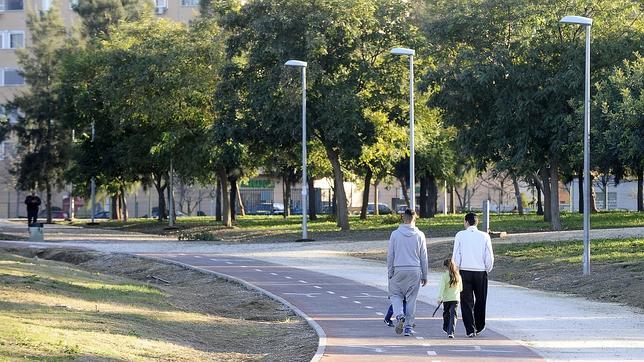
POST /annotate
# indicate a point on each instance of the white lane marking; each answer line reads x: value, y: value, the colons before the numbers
x: 330, y: 292
x: 420, y: 337
x: 303, y: 281
x: 343, y: 297
x: 258, y: 269
x: 273, y: 273
x: 317, y: 287
x: 431, y: 353
x: 379, y: 350
x: 197, y: 256
x: 308, y: 295
x: 380, y: 314
x: 181, y: 254
x: 426, y: 345
x: 356, y: 302
x: 244, y: 266
x: 477, y: 348
x: 288, y: 277
x: 368, y: 307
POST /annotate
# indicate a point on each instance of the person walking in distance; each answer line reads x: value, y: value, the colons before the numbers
x: 33, y: 203
x: 474, y: 258
x: 407, y: 270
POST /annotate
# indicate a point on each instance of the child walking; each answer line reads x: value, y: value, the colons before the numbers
x: 449, y: 291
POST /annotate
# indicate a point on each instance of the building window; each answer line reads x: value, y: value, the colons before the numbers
x: 12, y: 77
x: 46, y: 5
x: 14, y: 5
x: 189, y: 2
x: 12, y: 39
x: 160, y: 6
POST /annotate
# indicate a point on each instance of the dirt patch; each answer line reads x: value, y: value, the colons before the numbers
x: 284, y: 337
x: 618, y: 282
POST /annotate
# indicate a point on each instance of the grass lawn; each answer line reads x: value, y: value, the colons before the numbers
x: 617, y: 267
x: 277, y: 228
x: 58, y: 311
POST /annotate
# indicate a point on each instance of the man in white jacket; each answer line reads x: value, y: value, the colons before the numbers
x: 407, y: 270
x: 474, y: 257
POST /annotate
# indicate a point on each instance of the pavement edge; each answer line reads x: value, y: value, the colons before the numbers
x: 311, y: 322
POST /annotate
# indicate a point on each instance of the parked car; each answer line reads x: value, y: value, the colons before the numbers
x: 268, y: 208
x: 56, y: 213
x: 383, y: 209
x: 401, y: 209
x: 103, y: 215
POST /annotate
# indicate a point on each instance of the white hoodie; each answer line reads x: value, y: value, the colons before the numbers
x: 407, y: 250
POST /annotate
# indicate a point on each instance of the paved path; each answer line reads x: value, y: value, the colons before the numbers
x: 351, y: 314
x: 557, y: 327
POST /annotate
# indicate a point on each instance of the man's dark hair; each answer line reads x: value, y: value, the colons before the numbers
x: 471, y: 218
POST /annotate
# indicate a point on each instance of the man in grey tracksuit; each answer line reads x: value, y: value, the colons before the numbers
x: 407, y: 270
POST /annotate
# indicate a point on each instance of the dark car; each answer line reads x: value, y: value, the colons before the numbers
x: 103, y: 215
x: 268, y: 208
x: 383, y: 209
x: 56, y: 213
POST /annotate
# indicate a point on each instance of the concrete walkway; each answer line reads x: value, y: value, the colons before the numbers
x: 557, y: 327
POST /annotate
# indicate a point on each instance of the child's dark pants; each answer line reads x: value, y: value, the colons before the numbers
x: 449, y: 316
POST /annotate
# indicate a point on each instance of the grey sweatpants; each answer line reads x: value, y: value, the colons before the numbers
x: 404, y: 285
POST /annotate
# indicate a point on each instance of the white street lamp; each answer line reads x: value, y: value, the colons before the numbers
x: 412, y: 177
x: 587, y: 23
x: 305, y: 212
x: 93, y: 181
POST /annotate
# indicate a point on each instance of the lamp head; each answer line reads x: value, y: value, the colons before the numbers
x: 295, y: 63
x: 403, y: 51
x: 579, y: 20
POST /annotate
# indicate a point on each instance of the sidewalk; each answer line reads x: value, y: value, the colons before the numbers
x: 558, y: 327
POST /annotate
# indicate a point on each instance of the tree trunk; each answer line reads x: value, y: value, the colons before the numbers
x: 313, y: 215
x: 218, y: 201
x: 240, y: 202
x: 376, y: 209
x: 160, y: 193
x: 365, y: 194
x: 640, y: 189
x: 340, y: 195
x: 517, y: 195
x: 539, y: 187
x: 114, y: 208
x: 123, y: 204
x: 233, y: 198
x: 225, y: 200
x: 286, y: 195
x: 581, y: 192
x: 432, y: 196
x: 422, y: 198
x: 545, y: 182
x: 48, y: 203
x: 403, y: 185
x: 555, y: 221
x: 452, y: 200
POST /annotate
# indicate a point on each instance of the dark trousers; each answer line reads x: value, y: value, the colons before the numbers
x: 449, y: 316
x: 390, y: 311
x: 473, y: 299
x: 32, y: 216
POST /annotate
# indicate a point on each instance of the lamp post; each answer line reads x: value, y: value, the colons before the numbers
x: 586, y: 23
x: 412, y: 177
x: 302, y: 65
x: 93, y: 181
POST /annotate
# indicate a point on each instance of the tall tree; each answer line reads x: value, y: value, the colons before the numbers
x: 44, y: 142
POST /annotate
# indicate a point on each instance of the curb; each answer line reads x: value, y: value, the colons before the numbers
x: 318, y: 330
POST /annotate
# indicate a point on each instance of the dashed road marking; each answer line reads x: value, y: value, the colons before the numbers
x: 197, y: 256
x: 420, y: 337
x: 259, y: 270
x: 330, y: 292
x: 368, y: 307
x: 244, y: 266
x: 380, y: 314
x: 343, y: 297
x: 356, y: 302
x: 303, y: 281
x: 288, y: 277
x: 431, y: 353
x: 317, y: 287
x: 273, y: 273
